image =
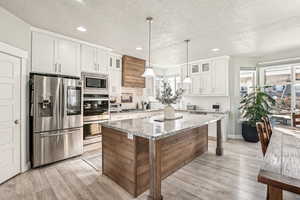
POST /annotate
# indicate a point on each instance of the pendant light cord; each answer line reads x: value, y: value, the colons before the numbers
x: 149, y: 19
x: 187, y: 58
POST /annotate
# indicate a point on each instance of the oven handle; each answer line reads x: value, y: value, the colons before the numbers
x: 85, y: 99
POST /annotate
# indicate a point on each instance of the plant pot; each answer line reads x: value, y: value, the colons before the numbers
x: 169, y: 112
x: 249, y: 133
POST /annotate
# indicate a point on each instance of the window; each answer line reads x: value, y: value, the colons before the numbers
x: 247, y: 81
x: 175, y: 83
x: 280, y: 81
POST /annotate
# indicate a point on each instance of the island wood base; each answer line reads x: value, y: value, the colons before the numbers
x: 127, y: 161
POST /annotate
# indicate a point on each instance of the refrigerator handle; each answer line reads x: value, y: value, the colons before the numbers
x: 63, y: 97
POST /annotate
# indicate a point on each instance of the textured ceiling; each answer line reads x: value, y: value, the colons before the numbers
x: 237, y: 27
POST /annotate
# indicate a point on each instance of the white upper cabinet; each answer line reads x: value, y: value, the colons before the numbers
x: 220, y: 77
x: 115, y: 83
x: 67, y: 57
x: 209, y: 77
x: 195, y: 68
x: 94, y: 59
x: 115, y: 74
x: 43, y: 53
x: 53, y: 55
x: 115, y: 62
x: 88, y: 59
x: 101, y: 58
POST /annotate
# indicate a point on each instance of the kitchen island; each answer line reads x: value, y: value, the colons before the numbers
x: 139, y: 153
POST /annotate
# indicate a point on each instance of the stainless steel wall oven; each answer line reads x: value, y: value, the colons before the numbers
x: 95, y: 104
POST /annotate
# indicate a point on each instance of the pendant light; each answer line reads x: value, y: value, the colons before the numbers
x: 187, y: 78
x: 149, y: 70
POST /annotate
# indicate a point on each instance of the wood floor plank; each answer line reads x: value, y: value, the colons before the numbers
x: 208, y: 177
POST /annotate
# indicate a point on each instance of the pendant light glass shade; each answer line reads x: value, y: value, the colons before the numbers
x: 187, y: 80
x: 149, y: 70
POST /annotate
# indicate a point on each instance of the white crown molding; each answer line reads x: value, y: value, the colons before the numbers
x: 191, y: 62
x: 8, y: 49
x: 34, y: 29
x: 279, y: 62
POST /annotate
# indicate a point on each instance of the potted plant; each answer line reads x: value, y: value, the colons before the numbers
x: 167, y: 98
x: 253, y: 107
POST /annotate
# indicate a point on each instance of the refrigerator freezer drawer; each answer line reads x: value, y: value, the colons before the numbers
x: 49, y: 147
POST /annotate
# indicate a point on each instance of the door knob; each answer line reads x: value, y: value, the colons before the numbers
x: 16, y: 121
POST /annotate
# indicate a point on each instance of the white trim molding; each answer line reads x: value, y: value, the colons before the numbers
x: 279, y: 62
x: 8, y: 49
x: 38, y: 30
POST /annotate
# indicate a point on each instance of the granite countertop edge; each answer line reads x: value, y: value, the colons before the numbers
x: 164, y: 135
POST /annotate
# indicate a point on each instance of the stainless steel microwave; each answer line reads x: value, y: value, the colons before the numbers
x: 95, y: 83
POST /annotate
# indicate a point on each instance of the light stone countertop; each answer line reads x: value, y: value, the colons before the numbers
x: 148, y: 128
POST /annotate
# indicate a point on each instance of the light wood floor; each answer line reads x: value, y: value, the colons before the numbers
x: 232, y: 176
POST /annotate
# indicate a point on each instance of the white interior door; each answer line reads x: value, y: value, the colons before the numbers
x: 10, y: 139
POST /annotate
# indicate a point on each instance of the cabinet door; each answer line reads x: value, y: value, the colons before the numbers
x: 88, y: 59
x: 111, y: 63
x: 196, y: 85
x: 195, y: 68
x: 205, y: 84
x: 220, y: 77
x: 68, y: 57
x: 115, y: 83
x: 205, y: 67
x: 118, y: 64
x: 43, y: 53
x: 102, y: 61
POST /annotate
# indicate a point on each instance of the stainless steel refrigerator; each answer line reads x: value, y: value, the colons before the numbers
x: 56, y: 118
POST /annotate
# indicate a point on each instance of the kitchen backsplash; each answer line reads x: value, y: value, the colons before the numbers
x: 205, y: 103
x: 137, y: 97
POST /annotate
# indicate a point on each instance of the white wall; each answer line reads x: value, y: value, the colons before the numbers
x: 236, y: 63
x: 14, y: 31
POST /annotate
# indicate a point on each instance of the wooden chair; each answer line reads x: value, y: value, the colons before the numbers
x: 263, y: 136
x: 268, y: 126
x: 296, y: 119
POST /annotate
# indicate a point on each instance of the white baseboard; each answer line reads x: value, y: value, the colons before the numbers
x: 26, y: 167
x: 235, y: 137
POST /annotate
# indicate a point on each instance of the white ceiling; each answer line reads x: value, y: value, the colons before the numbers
x: 237, y: 27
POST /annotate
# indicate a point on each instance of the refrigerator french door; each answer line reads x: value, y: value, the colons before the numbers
x: 56, y: 119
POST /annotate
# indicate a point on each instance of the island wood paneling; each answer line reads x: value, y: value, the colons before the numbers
x: 127, y: 161
x: 132, y: 71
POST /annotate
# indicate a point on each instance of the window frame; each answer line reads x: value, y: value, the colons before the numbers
x: 293, y: 80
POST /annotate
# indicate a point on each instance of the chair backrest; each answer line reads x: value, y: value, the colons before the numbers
x: 268, y: 126
x: 296, y: 119
x: 263, y: 136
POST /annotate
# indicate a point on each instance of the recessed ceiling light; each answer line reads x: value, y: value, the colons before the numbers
x: 215, y: 49
x: 81, y: 28
x: 139, y: 48
x: 80, y: 1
